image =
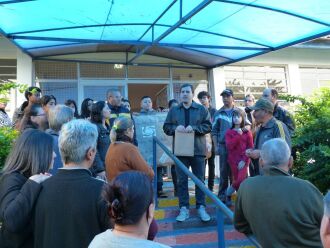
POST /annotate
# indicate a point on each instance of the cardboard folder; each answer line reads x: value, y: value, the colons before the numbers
x: 184, y: 144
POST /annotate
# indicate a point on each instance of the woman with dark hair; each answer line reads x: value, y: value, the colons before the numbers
x: 99, y: 114
x: 131, y: 208
x: 47, y: 102
x: 32, y: 96
x: 72, y: 104
x: 34, y: 117
x: 237, y: 142
x: 86, y: 108
x: 26, y: 167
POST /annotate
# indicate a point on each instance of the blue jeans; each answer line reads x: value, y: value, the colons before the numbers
x: 225, y: 172
x: 197, y: 165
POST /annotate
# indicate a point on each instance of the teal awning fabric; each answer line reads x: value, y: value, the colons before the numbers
x: 218, y: 32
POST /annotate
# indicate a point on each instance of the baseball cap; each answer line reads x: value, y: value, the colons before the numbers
x: 228, y: 92
x: 264, y: 104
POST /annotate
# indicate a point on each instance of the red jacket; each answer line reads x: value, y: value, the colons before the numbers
x: 236, y: 146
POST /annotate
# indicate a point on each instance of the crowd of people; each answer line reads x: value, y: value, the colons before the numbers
x: 78, y: 180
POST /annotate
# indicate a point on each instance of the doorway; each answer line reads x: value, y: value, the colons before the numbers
x: 157, y: 92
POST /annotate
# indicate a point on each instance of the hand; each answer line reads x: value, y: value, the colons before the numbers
x: 180, y: 129
x: 241, y: 165
x: 245, y: 129
x: 39, y: 178
x: 189, y: 129
x: 255, y: 154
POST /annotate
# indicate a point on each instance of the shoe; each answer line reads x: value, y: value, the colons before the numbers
x: 203, y: 214
x: 230, y: 190
x: 183, y: 215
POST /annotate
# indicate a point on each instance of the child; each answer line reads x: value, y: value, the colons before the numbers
x: 237, y: 141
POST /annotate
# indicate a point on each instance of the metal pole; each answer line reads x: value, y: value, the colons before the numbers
x: 221, y: 229
x: 154, y: 156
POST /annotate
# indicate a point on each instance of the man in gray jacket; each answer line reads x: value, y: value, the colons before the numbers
x: 190, y: 117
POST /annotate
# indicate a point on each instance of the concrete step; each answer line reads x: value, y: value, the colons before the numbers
x: 203, y: 237
x: 174, y: 201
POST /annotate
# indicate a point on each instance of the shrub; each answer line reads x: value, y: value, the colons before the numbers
x: 7, y: 138
x: 311, y: 140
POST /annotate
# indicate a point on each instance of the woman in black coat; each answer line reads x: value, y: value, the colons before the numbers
x: 100, y: 116
x: 26, y: 167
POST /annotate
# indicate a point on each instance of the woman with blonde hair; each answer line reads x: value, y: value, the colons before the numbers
x: 122, y: 155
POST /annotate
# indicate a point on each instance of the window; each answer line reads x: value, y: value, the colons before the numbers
x: 245, y: 80
x: 313, y: 78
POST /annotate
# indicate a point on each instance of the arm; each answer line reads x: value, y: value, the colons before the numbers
x: 138, y: 163
x: 205, y: 126
x: 240, y: 222
x: 18, y: 203
x: 249, y: 146
x: 98, y: 164
x: 169, y: 124
x: 289, y: 122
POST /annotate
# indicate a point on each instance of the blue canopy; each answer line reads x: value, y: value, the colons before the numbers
x: 205, y: 33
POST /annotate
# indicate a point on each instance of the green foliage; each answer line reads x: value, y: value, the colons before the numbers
x: 7, y: 137
x: 6, y: 86
x: 312, y: 139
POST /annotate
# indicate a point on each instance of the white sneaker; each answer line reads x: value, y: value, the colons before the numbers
x: 203, y: 214
x: 183, y: 215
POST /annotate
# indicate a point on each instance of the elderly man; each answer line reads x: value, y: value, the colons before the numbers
x: 279, y: 113
x: 280, y: 210
x: 190, y: 117
x: 57, y: 116
x: 269, y: 128
x: 69, y: 210
x: 325, y: 225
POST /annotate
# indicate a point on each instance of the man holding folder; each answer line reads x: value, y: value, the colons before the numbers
x: 188, y: 123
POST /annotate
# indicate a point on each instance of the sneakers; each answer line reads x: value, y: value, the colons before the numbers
x: 203, y: 214
x: 183, y: 215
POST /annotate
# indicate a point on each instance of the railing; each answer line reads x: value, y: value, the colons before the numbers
x: 221, y: 209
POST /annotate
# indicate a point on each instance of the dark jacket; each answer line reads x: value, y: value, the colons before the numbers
x: 69, y: 210
x: 103, y: 143
x: 284, y: 116
x: 57, y: 161
x: 269, y: 131
x: 17, y: 200
x: 280, y: 210
x: 199, y: 121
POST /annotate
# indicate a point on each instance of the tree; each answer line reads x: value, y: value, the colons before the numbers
x: 311, y: 140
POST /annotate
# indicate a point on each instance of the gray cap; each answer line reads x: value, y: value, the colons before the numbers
x: 264, y: 104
